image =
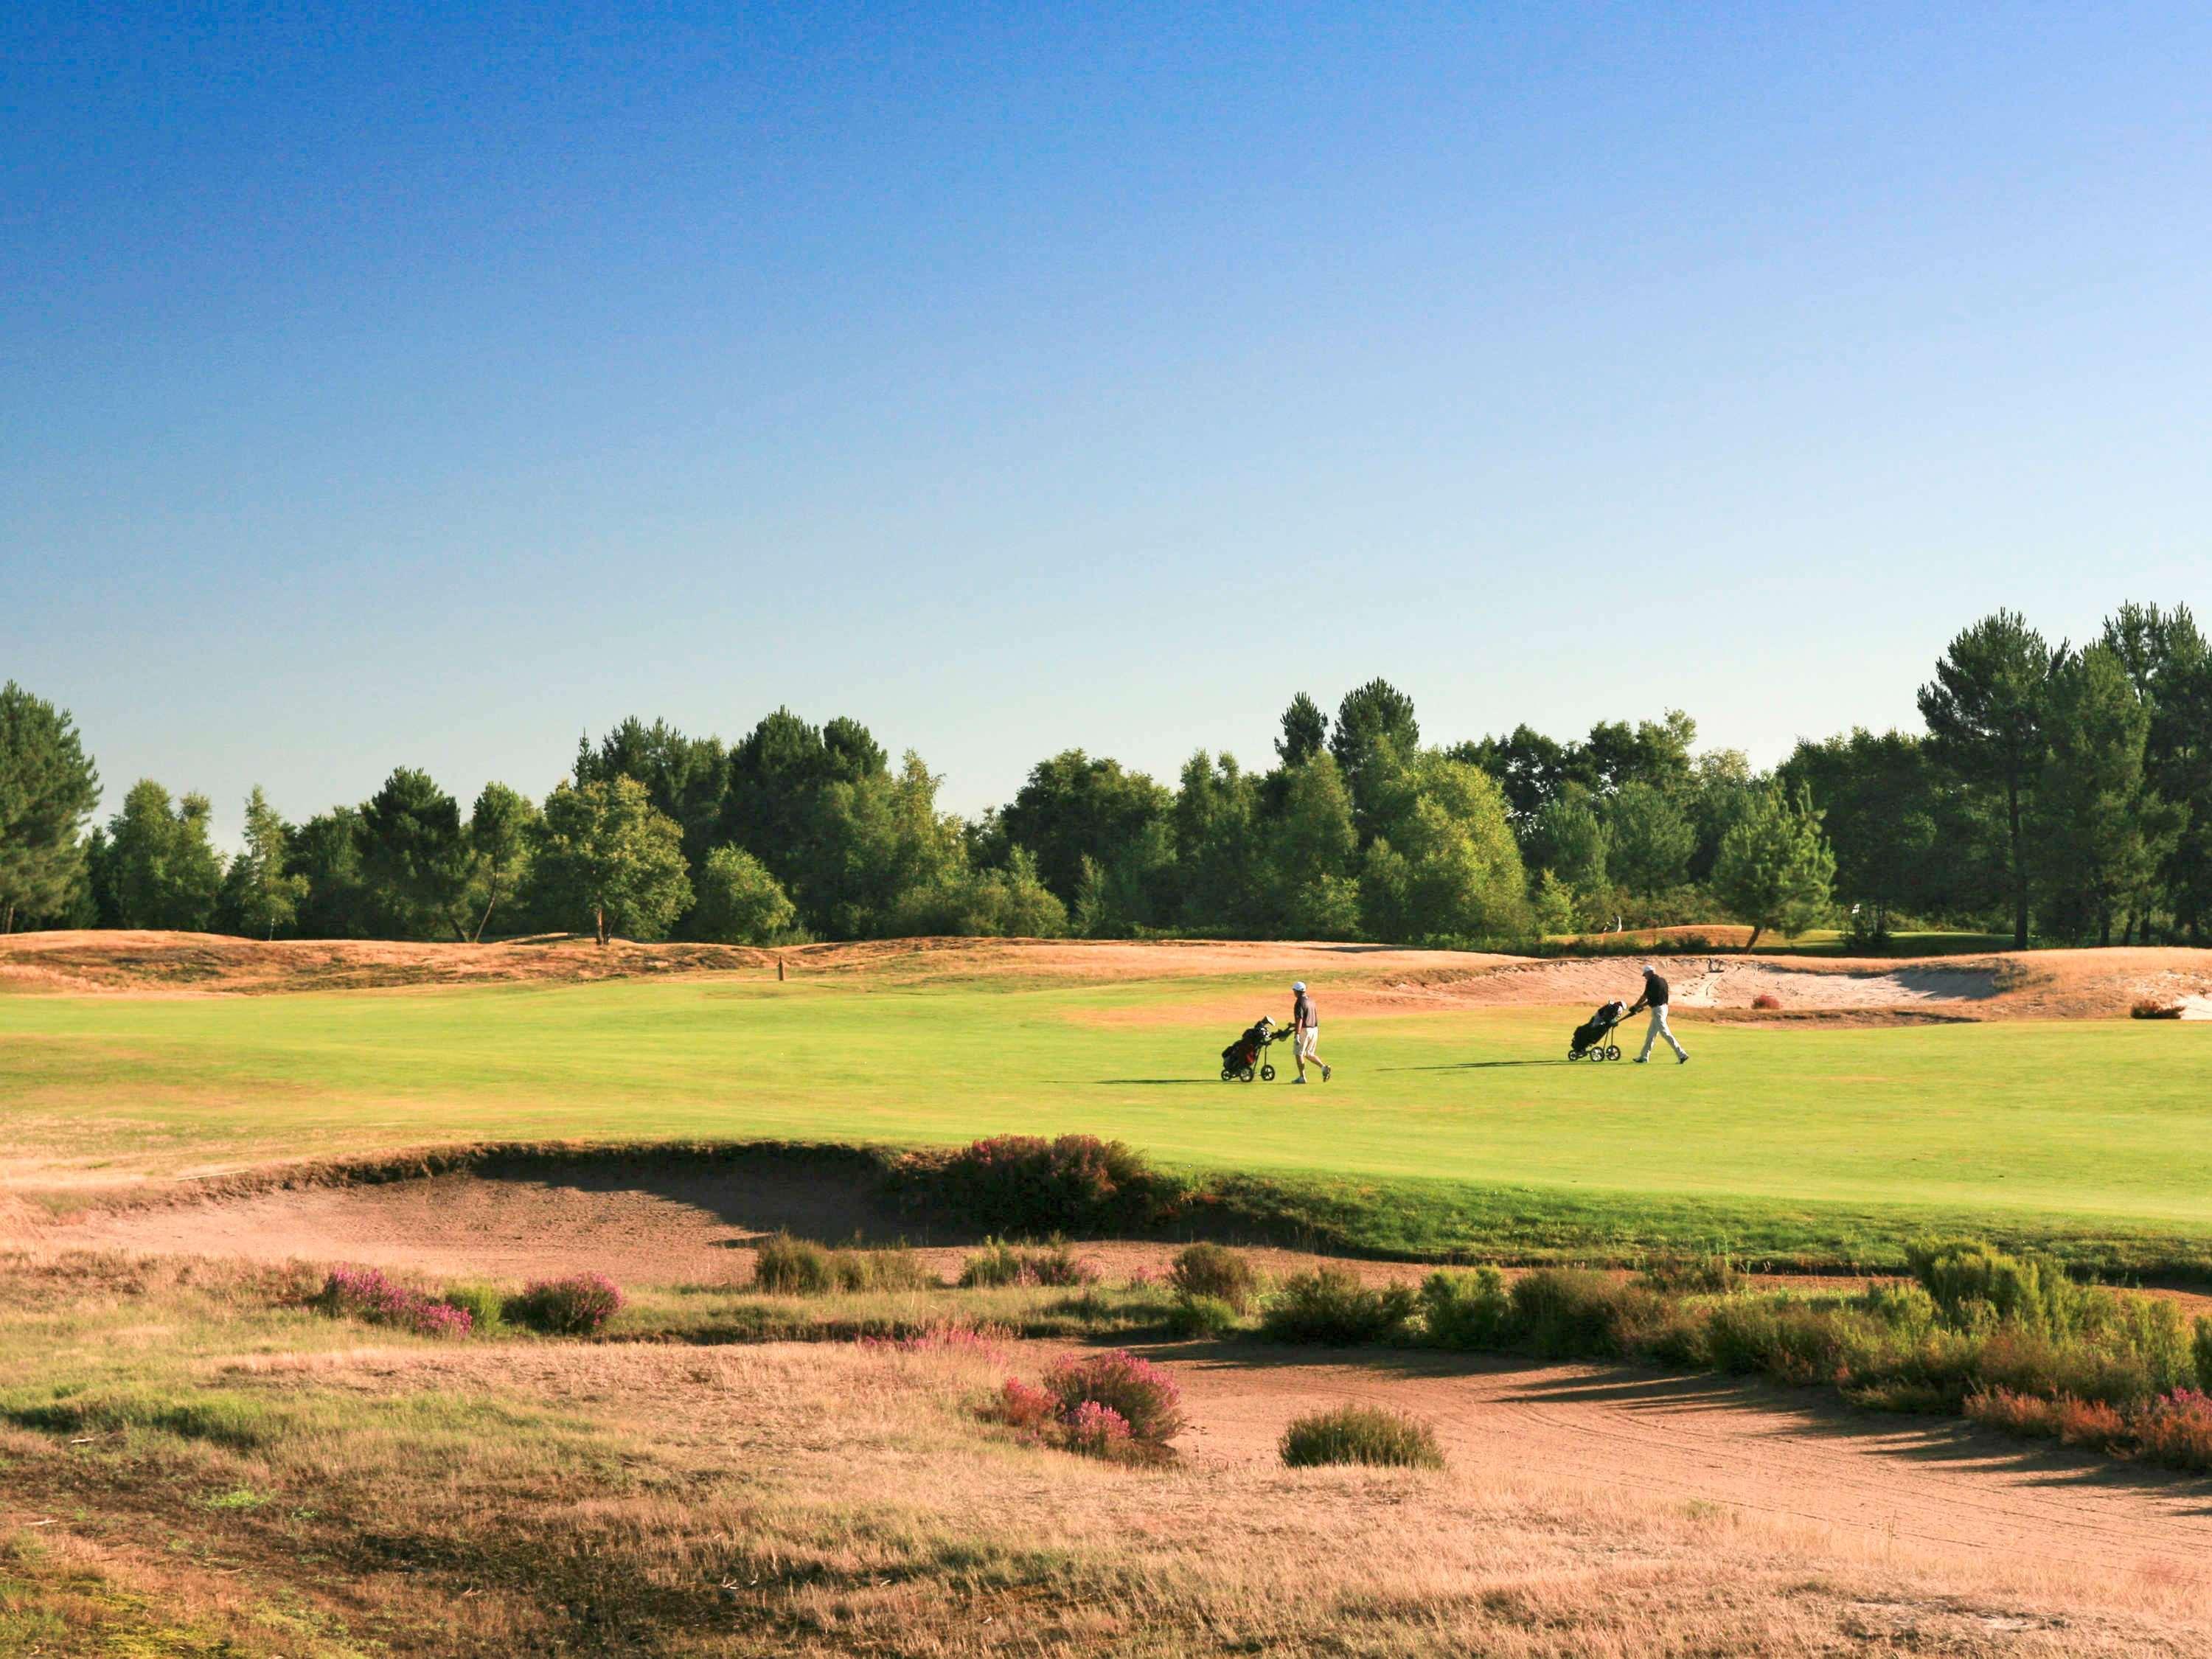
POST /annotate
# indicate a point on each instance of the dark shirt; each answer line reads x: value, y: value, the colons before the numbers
x: 1301, y: 1011
x: 1655, y: 991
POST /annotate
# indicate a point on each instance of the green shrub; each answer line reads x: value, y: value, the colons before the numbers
x: 1468, y: 1311
x: 485, y: 1305
x: 2027, y: 1291
x: 1361, y: 1434
x: 784, y: 1266
x: 1572, y: 1313
x: 1026, y: 1187
x: 1332, y: 1307
x: 1000, y: 1264
x: 1705, y: 1275
x: 579, y: 1305
x: 1200, y: 1316
x: 1783, y: 1338
x: 2203, y: 1347
x: 1215, y: 1271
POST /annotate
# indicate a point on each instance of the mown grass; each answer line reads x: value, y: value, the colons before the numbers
x: 1461, y: 1131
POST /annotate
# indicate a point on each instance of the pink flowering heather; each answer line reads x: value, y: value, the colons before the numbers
x: 1146, y: 1397
x: 365, y: 1293
x: 1020, y: 1405
x: 1096, y: 1431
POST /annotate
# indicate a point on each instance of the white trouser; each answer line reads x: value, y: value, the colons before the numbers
x: 1658, y: 1029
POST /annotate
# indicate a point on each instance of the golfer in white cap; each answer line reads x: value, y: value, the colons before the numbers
x: 1305, y: 1025
x: 1655, y: 999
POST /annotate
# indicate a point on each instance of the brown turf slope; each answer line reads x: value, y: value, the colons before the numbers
x: 1368, y: 979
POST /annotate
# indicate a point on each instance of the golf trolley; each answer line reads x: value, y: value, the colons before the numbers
x: 1247, y: 1058
x: 1592, y: 1040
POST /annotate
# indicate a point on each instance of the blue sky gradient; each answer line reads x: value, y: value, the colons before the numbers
x: 430, y: 385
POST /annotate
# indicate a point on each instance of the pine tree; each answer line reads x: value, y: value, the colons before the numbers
x: 1775, y: 869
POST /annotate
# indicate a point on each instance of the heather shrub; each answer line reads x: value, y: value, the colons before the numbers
x: 1028, y: 1187
x: 579, y: 1305
x: 1023, y: 1406
x: 364, y: 1293
x: 484, y: 1305
x: 2025, y: 1415
x: 2152, y: 1008
x: 1705, y: 1275
x: 784, y: 1266
x: 1767, y: 1001
x: 1146, y: 1397
x: 1200, y: 1316
x: 1361, y: 1434
x: 1572, y: 1313
x: 1001, y: 1264
x: 1332, y: 1307
x: 1469, y: 1311
x: 1096, y: 1430
x: 1216, y: 1272
x: 2177, y: 1431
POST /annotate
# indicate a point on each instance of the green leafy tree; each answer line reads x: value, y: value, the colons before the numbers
x: 501, y: 826
x: 2102, y: 833
x: 1376, y: 730
x: 416, y: 857
x: 740, y: 902
x: 779, y: 805
x: 1531, y: 768
x: 1074, y: 807
x: 326, y: 852
x: 1220, y: 866
x: 1311, y: 843
x: 1567, y: 837
x: 1881, y: 802
x: 603, y: 851
x: 268, y: 894
x: 1984, y: 711
x: 1649, y: 839
x: 684, y: 777
x: 161, y: 868
x: 1657, y: 752
x: 1775, y: 870
x: 2170, y: 664
x: 48, y: 789
x: 1556, y: 911
x: 1444, y: 863
x: 1305, y: 729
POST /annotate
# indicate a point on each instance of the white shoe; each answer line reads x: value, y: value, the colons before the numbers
x: 1297, y: 1080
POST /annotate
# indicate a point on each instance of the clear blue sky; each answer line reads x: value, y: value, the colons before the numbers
x: 429, y: 384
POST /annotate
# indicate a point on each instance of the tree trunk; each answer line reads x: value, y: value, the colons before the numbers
x: 599, y: 923
x: 2018, y: 869
x: 9, y: 926
x: 1752, y: 943
x: 484, y: 921
x: 2104, y: 929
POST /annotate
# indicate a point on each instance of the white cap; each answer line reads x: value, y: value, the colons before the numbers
x: 1299, y: 986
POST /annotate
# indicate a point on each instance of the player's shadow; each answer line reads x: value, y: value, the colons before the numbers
x: 1157, y: 1083
x: 1473, y: 1066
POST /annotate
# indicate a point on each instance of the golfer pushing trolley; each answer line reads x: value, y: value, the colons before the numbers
x: 1655, y: 999
x: 1305, y: 1025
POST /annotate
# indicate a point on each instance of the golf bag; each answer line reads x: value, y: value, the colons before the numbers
x: 1591, y: 1037
x: 1245, y: 1058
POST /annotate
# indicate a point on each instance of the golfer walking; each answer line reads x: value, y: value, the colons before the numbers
x: 1305, y: 1027
x: 1655, y: 999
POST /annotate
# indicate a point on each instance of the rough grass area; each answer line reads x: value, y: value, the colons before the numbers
x: 1369, y: 1435
x: 197, y: 1464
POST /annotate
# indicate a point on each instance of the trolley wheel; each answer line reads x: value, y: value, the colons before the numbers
x: 1267, y: 1074
x: 1612, y: 1051
x: 1573, y: 1054
x: 1228, y: 1076
x: 1246, y: 1074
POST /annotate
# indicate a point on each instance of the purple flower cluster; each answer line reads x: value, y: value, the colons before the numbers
x: 579, y: 1305
x: 1112, y: 1406
x: 365, y: 1293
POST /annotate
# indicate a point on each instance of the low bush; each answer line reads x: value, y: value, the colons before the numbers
x: 2177, y: 1431
x: 1704, y: 1275
x: 1002, y: 1264
x: 1361, y: 1434
x: 1147, y: 1398
x: 1965, y: 1277
x: 2202, y: 1350
x: 1572, y: 1313
x: 784, y: 1266
x: 484, y: 1305
x: 365, y: 1293
x: 1217, y: 1272
x: 1766, y: 1001
x: 1332, y: 1307
x: 1200, y: 1316
x: 1029, y: 1188
x: 579, y: 1305
x: 2151, y: 1008
x: 1096, y: 1430
x: 1024, y: 1406
x: 1468, y: 1311
x: 947, y: 1336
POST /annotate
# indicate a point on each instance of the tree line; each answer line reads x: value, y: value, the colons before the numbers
x: 2056, y: 792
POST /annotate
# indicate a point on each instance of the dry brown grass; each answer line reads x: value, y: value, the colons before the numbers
x: 529, y: 1497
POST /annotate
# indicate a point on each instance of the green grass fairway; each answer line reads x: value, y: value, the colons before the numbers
x: 2099, y: 1128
